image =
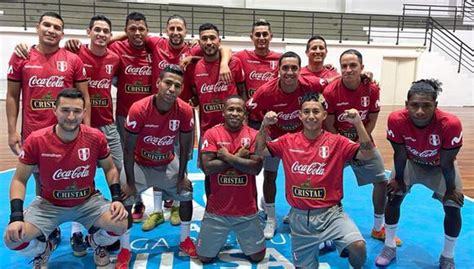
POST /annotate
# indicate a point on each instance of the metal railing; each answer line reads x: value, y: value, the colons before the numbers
x: 237, y: 22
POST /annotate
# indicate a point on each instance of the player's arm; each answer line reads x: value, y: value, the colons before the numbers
x: 366, y: 150
x: 329, y: 123
x: 22, y: 50
x: 185, y: 147
x: 129, y: 162
x: 12, y: 107
x: 82, y: 86
x: 252, y: 165
x: 73, y: 45
x: 242, y: 90
x: 225, y: 73
x: 117, y: 37
x: 447, y: 158
x: 211, y: 164
x: 400, y: 158
x: 261, y: 139
x: 112, y: 176
x: 372, y: 121
x: 110, y: 171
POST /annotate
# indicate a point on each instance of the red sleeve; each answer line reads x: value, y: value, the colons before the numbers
x: 186, y: 118
x: 329, y: 97
x: 79, y: 71
x: 374, y: 98
x: 255, y: 107
x: 154, y: 41
x: 315, y: 83
x: 135, y: 118
x: 276, y: 146
x: 28, y: 154
x: 196, y: 51
x: 104, y: 150
x: 452, y: 138
x: 253, y: 141
x: 236, y: 69
x: 15, y: 68
x: 347, y: 147
x: 209, y: 143
x: 394, y: 128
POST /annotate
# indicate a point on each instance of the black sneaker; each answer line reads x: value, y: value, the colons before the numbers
x: 78, y: 245
x: 55, y: 238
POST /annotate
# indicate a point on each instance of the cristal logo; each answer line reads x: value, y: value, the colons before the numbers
x: 99, y: 84
x: 51, y: 82
x: 218, y: 87
x: 308, y: 169
x: 254, y: 75
x: 288, y: 116
x: 138, y: 71
x: 362, y: 113
x: 163, y: 64
x: 78, y: 172
x: 159, y: 141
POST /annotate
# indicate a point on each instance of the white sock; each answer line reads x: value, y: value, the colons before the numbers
x: 390, y: 231
x: 125, y: 240
x: 378, y: 221
x: 33, y: 249
x: 185, y: 227
x: 270, y: 209
x: 157, y: 201
x: 76, y: 227
x: 104, y: 238
x: 449, y: 244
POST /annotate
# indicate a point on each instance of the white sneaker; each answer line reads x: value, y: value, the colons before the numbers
x: 269, y: 230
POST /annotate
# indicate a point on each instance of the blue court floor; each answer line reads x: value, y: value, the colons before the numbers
x: 420, y: 228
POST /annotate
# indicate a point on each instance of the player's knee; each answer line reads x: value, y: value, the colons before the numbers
x: 205, y: 259
x: 381, y: 185
x: 259, y: 256
x: 357, y: 254
x: 394, y: 201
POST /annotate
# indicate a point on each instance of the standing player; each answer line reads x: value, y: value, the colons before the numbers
x: 316, y: 51
x: 66, y: 155
x: 261, y: 64
x: 350, y: 92
x: 282, y: 95
x: 425, y: 142
x: 153, y: 126
x: 313, y: 160
x: 228, y: 159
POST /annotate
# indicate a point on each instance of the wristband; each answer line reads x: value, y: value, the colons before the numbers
x: 116, y: 192
x: 16, y: 207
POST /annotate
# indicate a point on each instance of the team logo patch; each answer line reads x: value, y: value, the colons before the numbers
x: 434, y: 139
x: 273, y: 65
x: 84, y: 154
x: 61, y: 65
x: 245, y: 142
x: 365, y: 101
x: 324, y: 152
x: 174, y: 125
x: 205, y: 144
x: 109, y: 68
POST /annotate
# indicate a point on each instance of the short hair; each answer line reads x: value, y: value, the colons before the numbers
x: 172, y: 68
x: 135, y: 16
x: 289, y: 54
x: 100, y: 17
x: 430, y: 87
x: 176, y: 16
x: 261, y: 22
x: 208, y: 26
x: 315, y: 37
x: 236, y: 96
x: 314, y: 96
x: 354, y: 52
x: 71, y: 93
x: 51, y: 14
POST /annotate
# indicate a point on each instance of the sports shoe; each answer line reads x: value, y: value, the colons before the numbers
x: 387, y: 256
x: 380, y: 235
x: 187, y: 246
x: 138, y: 211
x: 123, y: 259
x: 174, y: 216
x: 153, y: 220
x: 269, y: 229
x: 446, y: 263
x: 55, y: 238
x: 78, y: 245
x: 101, y: 256
x: 41, y: 261
x: 168, y: 204
x: 326, y: 247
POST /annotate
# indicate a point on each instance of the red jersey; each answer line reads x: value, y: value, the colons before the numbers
x: 157, y: 132
x: 66, y: 169
x: 325, y: 73
x: 233, y: 193
x: 100, y: 70
x: 270, y: 97
x: 258, y: 69
x: 211, y: 91
x: 339, y: 98
x: 42, y: 77
x: 134, y: 75
x: 423, y: 145
x: 313, y: 168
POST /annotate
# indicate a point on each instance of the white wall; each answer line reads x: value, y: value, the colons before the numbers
x: 458, y: 88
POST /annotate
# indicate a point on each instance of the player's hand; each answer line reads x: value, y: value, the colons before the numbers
x: 118, y: 211
x: 330, y: 67
x: 14, y: 142
x: 222, y: 153
x: 193, y: 43
x: 243, y: 152
x: 367, y: 77
x: 22, y: 50
x: 270, y: 118
x: 184, y: 62
x: 15, y: 232
x: 184, y: 185
x: 128, y: 191
x: 455, y: 196
x: 73, y: 45
x: 395, y: 186
x: 331, y: 79
x: 224, y: 73
x: 352, y: 116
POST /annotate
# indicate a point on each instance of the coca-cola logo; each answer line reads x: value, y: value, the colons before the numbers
x: 159, y: 141
x: 163, y: 64
x: 314, y: 168
x: 220, y: 86
x: 424, y: 154
x: 50, y: 82
x: 78, y: 172
x: 99, y: 84
x: 288, y: 116
x: 138, y: 71
x: 254, y: 75
x: 362, y: 113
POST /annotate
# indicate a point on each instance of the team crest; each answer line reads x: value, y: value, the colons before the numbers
x: 84, y: 154
x: 365, y: 101
x: 174, y: 125
x: 324, y: 152
x: 434, y: 139
x: 245, y: 142
x: 273, y: 65
x: 109, y: 68
x: 61, y: 65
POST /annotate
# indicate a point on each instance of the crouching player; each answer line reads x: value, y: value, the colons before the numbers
x: 66, y: 155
